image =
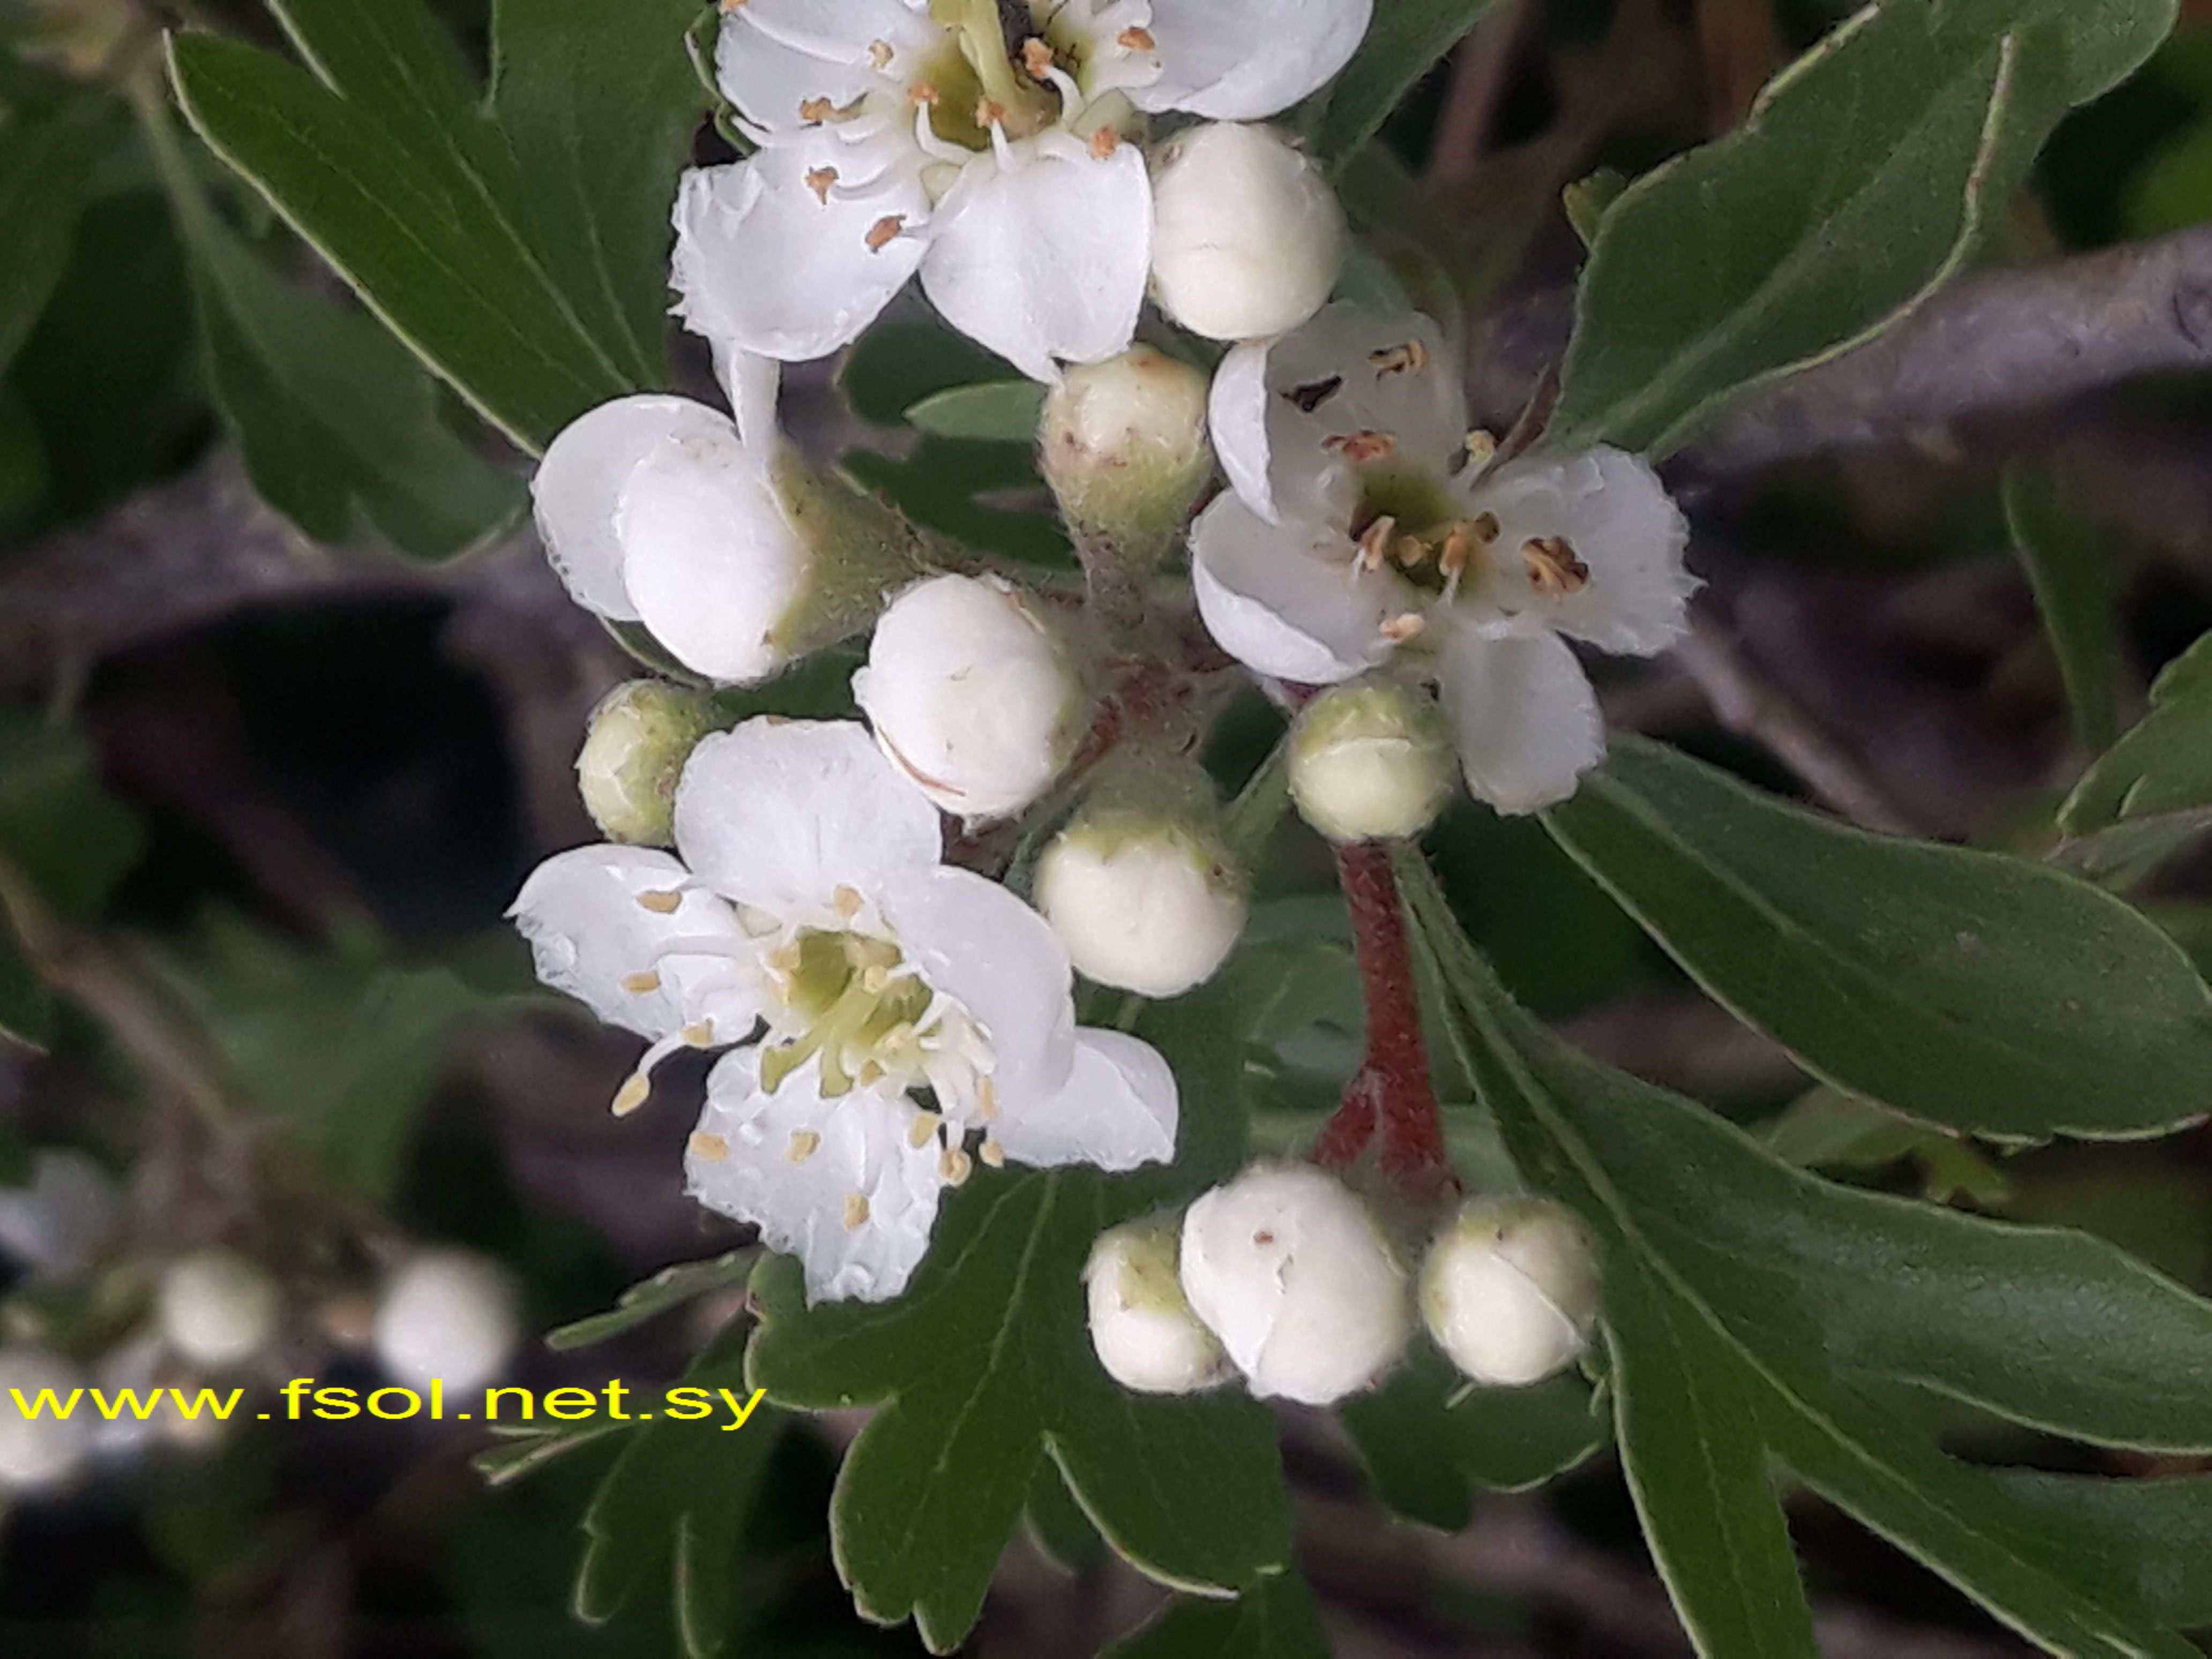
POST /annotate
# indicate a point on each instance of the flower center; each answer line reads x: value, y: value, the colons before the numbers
x: 992, y: 72
x: 853, y: 1001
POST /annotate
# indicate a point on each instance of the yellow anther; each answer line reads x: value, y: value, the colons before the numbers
x: 710, y: 1148
x: 1129, y: 40
x: 1399, y: 629
x: 885, y: 231
x: 819, y: 180
x: 641, y: 985
x: 805, y: 1143
x: 632, y: 1094
x: 700, y: 1034
x: 856, y: 1211
x: 1481, y: 447
x: 1459, y: 548
x: 955, y: 1167
x: 1375, y: 544
x: 924, y: 1127
x: 662, y: 903
x: 993, y: 1154
x: 847, y: 902
x: 1036, y: 58
x: 987, y: 1100
x: 1410, y: 358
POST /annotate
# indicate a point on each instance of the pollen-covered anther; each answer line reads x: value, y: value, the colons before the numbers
x: 924, y: 1125
x: 700, y: 1034
x: 992, y: 1153
x: 880, y: 52
x: 819, y: 180
x: 925, y: 93
x: 885, y: 231
x: 1400, y: 629
x: 662, y: 903
x: 641, y: 985
x: 815, y: 111
x: 632, y: 1094
x: 1103, y: 143
x: 954, y: 1166
x: 847, y: 902
x: 1458, y: 550
x: 987, y: 1100
x: 1129, y: 40
x: 710, y: 1148
x: 805, y: 1143
x: 1036, y: 58
x: 1375, y: 544
x: 1552, y: 567
x: 856, y: 1211
x: 1411, y: 358
x: 1361, y: 448
x: 1481, y: 447
x: 989, y: 113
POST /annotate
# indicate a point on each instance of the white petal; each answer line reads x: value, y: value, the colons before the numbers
x: 1116, y: 1110
x: 579, y: 485
x: 775, y: 55
x: 779, y: 814
x: 1523, y: 717
x: 754, y: 385
x: 1282, y: 599
x: 1611, y: 509
x: 854, y: 1147
x: 764, y: 261
x: 979, y: 944
x: 580, y: 913
x: 1237, y: 419
x: 1046, y: 260
x: 1240, y: 60
x: 712, y: 560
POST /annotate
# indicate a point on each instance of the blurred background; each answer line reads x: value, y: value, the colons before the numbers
x: 262, y: 801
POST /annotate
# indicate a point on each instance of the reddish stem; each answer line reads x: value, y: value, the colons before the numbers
x: 1391, y: 1102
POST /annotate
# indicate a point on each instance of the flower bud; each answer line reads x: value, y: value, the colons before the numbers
x: 1141, y: 1324
x: 1371, y: 761
x: 1124, y: 447
x: 640, y: 736
x: 47, y: 1450
x: 217, y: 1309
x: 55, y: 1226
x: 1286, y: 1266
x: 971, y: 694
x: 1248, y: 237
x: 1511, y: 1291
x: 1140, y: 887
x: 447, y: 1316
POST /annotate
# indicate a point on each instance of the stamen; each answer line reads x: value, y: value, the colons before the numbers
x: 989, y: 113
x: 1361, y: 448
x: 1552, y: 567
x: 847, y: 902
x: 1071, y: 96
x: 1375, y: 545
x: 1459, y: 548
x: 819, y: 179
x: 955, y: 1167
x: 1410, y: 358
x: 641, y: 985
x: 815, y: 111
x: 1411, y: 552
x: 938, y: 149
x: 885, y: 231
x: 662, y: 903
x: 918, y: 1133
x: 992, y: 1153
x: 879, y: 52
x: 1481, y: 447
x: 925, y: 93
x: 1103, y: 143
x: 710, y: 1148
x: 805, y: 1143
x: 1129, y: 40
x: 700, y: 1035
x: 633, y: 1094
x: 856, y: 1211
x: 1036, y: 58
x: 1399, y: 629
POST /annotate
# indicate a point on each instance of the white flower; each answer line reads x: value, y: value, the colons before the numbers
x: 1511, y: 1291
x: 1288, y: 1268
x: 47, y: 1450
x: 448, y: 1317
x: 1369, y: 760
x: 971, y: 694
x: 217, y: 1309
x: 1142, y: 903
x: 811, y: 901
x: 976, y: 142
x: 57, y: 1224
x: 1142, y: 1325
x: 1365, y: 520
x: 639, y: 738
x: 1248, y: 238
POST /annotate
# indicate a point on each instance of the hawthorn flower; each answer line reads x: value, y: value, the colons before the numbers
x: 1248, y: 238
x: 712, y: 532
x: 1365, y: 520
x: 448, y: 1317
x: 977, y: 143
x: 217, y: 1307
x: 1511, y: 1291
x: 1141, y: 1326
x: 808, y: 915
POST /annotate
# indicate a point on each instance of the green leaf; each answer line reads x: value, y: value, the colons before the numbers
x: 1859, y: 184
x: 522, y: 1452
x: 1962, y: 988
x: 518, y: 250
x: 341, y: 1047
x: 336, y: 420
x: 671, y: 1287
x: 673, y: 1509
x: 1057, y: 1525
x: 26, y: 1007
x: 1824, y: 1128
x: 1403, y: 44
x: 2069, y: 563
x: 49, y: 148
x: 938, y: 487
x: 1278, y: 1621
x: 897, y: 364
x: 983, y: 1369
x: 2160, y: 772
x: 1428, y: 1438
x: 998, y: 412
x: 58, y: 827
x: 2155, y: 1535
x: 1774, y: 1297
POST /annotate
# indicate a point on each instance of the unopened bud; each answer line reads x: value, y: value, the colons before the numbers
x: 1371, y: 761
x: 1248, y: 237
x: 1124, y: 447
x: 1141, y: 1324
x: 55, y: 1226
x: 1286, y: 1266
x: 1511, y: 1291
x: 971, y: 694
x: 217, y: 1309
x: 1140, y: 887
x: 47, y: 1450
x: 640, y: 736
x: 448, y: 1317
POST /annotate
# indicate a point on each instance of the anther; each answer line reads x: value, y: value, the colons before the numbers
x: 987, y: 1100
x: 641, y: 985
x: 856, y: 1211
x: 1361, y: 448
x: 879, y: 52
x: 885, y: 231
x: 989, y: 113
x: 700, y: 1033
x: 1129, y: 40
x: 1103, y: 143
x: 956, y: 1166
x: 1553, y: 565
x: 664, y: 903
x: 1459, y: 548
x: 710, y: 1148
x: 875, y: 980
x: 1481, y: 447
x: 1036, y: 58
x: 819, y: 180
x: 632, y: 1094
x: 1410, y: 358
x: 919, y: 1132
x: 992, y: 1153
x: 1375, y: 544
x: 924, y: 92
x: 1400, y: 629
x: 805, y: 1143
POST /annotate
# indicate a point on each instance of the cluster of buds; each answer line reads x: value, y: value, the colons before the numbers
x: 1288, y: 1277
